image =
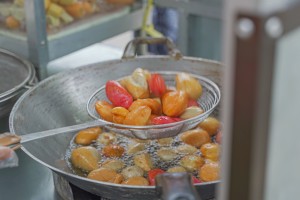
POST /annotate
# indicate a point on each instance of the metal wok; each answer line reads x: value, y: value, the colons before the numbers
x: 60, y: 101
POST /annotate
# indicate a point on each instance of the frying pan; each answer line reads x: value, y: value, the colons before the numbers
x: 60, y: 101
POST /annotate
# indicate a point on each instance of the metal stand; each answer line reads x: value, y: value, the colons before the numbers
x: 256, y: 38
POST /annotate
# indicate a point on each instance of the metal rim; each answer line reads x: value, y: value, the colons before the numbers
x: 28, y: 79
x: 17, y: 104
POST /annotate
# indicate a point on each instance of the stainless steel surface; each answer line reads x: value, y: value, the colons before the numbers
x: 36, y: 31
x: 177, y: 186
x: 60, y: 101
x: 254, y: 65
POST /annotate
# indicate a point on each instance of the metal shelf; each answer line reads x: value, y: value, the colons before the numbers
x: 41, y: 48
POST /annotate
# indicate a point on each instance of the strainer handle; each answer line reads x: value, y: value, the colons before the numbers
x: 131, y: 47
x: 176, y: 186
x: 11, y: 140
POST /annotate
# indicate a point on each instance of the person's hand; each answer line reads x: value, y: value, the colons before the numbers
x: 5, y: 153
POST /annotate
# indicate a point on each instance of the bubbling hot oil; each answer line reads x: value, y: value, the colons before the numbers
x: 151, y: 147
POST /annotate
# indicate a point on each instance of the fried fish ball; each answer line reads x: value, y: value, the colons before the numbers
x: 166, y: 154
x: 113, y: 164
x: 196, y: 137
x: 138, y: 116
x: 106, y: 138
x: 209, y: 172
x: 113, y: 151
x: 210, y: 151
x: 186, y: 149
x: 151, y: 103
x: 85, y: 158
x: 211, y: 125
x: 137, y: 180
x: 132, y: 171
x: 137, y: 85
x: 119, y: 114
x: 190, y: 85
x: 135, y: 140
x: 136, y: 147
x: 176, y: 169
x: 143, y: 161
x: 165, y: 141
x: 174, y: 103
x: 191, y: 162
x: 104, y: 108
x: 105, y: 175
x: 191, y: 112
x: 87, y: 136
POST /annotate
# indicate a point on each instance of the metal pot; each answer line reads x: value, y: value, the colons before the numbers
x: 61, y: 101
x: 16, y: 76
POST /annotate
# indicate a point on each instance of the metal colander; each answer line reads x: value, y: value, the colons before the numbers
x: 16, y: 75
x: 208, y: 101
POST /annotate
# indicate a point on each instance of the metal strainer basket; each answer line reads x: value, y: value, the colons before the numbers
x: 208, y: 101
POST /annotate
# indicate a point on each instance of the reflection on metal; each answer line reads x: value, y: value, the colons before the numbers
x: 254, y: 66
x: 274, y: 27
x: 245, y: 28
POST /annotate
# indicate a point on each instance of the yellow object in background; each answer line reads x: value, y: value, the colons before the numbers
x: 88, y: 7
x: 66, y: 18
x: 76, y: 10
x: 123, y: 2
x: 47, y: 4
x: 19, y: 2
x: 55, y: 10
x: 12, y: 23
x: 18, y: 13
x: 58, y: 12
x: 52, y: 21
x: 147, y: 26
x: 66, y: 2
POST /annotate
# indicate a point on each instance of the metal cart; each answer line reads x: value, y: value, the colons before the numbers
x: 40, y: 48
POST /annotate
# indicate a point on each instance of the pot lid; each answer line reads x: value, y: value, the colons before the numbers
x: 15, y: 73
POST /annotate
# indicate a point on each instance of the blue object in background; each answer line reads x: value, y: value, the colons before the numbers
x: 165, y: 20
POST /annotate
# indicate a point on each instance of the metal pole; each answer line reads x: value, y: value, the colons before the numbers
x: 37, y: 35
